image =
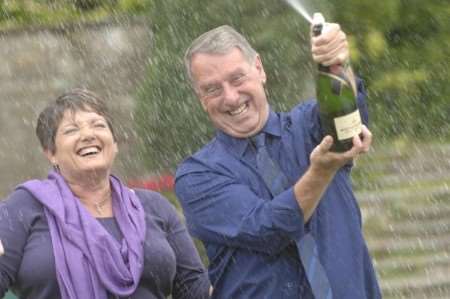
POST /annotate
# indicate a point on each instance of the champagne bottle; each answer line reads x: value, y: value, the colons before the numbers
x: 336, y: 96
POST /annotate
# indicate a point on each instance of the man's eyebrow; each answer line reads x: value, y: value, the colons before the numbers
x: 208, y: 84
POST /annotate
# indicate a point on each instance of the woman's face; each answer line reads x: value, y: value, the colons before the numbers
x: 84, y: 145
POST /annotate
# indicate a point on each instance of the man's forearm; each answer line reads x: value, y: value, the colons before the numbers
x: 310, y: 188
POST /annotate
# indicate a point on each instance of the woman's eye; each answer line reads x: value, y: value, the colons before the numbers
x: 100, y: 125
x: 69, y: 131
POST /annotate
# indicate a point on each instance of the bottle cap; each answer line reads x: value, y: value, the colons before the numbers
x: 318, y: 19
x: 318, y: 24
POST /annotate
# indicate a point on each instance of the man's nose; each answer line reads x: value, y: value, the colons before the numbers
x: 230, y: 94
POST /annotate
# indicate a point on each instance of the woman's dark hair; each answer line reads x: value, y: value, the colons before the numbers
x: 75, y: 100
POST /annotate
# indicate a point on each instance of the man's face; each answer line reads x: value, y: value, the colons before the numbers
x: 231, y: 91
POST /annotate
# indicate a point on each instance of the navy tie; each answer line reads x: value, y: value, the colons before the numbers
x: 277, y: 182
x: 270, y: 171
x: 315, y: 272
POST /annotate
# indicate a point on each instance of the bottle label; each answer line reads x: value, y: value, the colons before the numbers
x: 348, y: 125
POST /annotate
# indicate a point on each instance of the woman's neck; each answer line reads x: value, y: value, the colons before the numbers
x: 94, y: 193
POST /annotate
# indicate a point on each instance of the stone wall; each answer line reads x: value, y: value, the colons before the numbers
x: 39, y: 64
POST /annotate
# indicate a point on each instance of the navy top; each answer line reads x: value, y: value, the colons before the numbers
x: 171, y: 262
x: 251, y: 237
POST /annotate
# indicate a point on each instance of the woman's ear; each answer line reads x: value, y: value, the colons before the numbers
x: 51, y: 157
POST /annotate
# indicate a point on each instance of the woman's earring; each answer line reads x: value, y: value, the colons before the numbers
x: 55, y: 167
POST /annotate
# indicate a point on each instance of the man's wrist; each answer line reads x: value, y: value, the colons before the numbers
x: 321, y: 173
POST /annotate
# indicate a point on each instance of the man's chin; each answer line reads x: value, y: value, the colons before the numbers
x: 243, y: 134
x: 244, y: 129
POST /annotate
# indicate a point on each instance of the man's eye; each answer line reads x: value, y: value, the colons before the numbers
x: 238, y: 79
x: 100, y: 125
x: 213, y: 91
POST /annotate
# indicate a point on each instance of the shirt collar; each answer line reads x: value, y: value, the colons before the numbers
x: 239, y: 145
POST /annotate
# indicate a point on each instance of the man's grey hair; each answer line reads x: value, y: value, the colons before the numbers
x: 220, y: 40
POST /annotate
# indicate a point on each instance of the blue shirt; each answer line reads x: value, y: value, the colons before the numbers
x: 251, y: 237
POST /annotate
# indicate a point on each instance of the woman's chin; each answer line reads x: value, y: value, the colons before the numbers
x: 92, y: 172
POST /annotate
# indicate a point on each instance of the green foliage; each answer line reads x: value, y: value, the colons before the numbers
x: 168, y: 115
x: 404, y: 58
x: 400, y: 48
x: 134, y: 6
x: 25, y: 13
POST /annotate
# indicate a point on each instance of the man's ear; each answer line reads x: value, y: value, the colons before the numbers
x: 259, y: 67
x: 200, y: 98
x: 203, y: 103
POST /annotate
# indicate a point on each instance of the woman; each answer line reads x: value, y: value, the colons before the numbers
x: 81, y: 233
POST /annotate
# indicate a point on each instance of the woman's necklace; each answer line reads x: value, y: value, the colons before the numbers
x: 100, y: 205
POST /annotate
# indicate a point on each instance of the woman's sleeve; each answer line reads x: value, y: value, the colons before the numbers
x: 191, y: 278
x: 14, y: 230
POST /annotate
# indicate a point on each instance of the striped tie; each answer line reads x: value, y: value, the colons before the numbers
x: 277, y: 182
x: 271, y: 173
x: 315, y: 272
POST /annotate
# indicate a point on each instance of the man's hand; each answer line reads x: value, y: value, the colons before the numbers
x: 324, y: 164
x: 327, y: 163
x: 331, y: 47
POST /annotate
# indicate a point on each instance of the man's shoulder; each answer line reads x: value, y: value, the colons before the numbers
x: 304, y: 106
x: 205, y: 156
x: 214, y: 146
x: 302, y: 113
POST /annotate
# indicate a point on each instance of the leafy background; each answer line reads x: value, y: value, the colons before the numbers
x: 401, y: 48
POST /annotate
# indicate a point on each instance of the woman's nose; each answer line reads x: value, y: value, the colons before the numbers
x: 87, y: 133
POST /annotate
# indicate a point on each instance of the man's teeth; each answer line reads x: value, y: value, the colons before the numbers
x: 241, y: 109
x: 89, y: 151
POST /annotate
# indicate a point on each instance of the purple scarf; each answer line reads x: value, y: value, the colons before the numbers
x: 89, y: 261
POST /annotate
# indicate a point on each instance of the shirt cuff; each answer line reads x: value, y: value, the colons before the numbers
x: 287, y: 215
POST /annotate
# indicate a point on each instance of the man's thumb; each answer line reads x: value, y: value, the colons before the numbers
x: 326, y: 144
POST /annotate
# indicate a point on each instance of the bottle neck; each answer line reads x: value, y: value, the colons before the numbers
x: 316, y: 31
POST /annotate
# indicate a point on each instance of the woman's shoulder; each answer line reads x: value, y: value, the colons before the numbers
x: 21, y: 199
x: 19, y: 210
x: 155, y: 203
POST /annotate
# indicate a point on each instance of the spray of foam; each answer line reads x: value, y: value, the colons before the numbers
x: 300, y: 9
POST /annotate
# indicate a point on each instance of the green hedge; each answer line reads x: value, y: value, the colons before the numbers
x: 400, y: 48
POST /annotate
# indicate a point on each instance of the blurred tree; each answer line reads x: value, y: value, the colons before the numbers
x: 169, y: 117
x: 91, y: 4
x: 401, y: 49
x: 404, y: 57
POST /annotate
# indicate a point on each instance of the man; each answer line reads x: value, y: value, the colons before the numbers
x: 255, y: 238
